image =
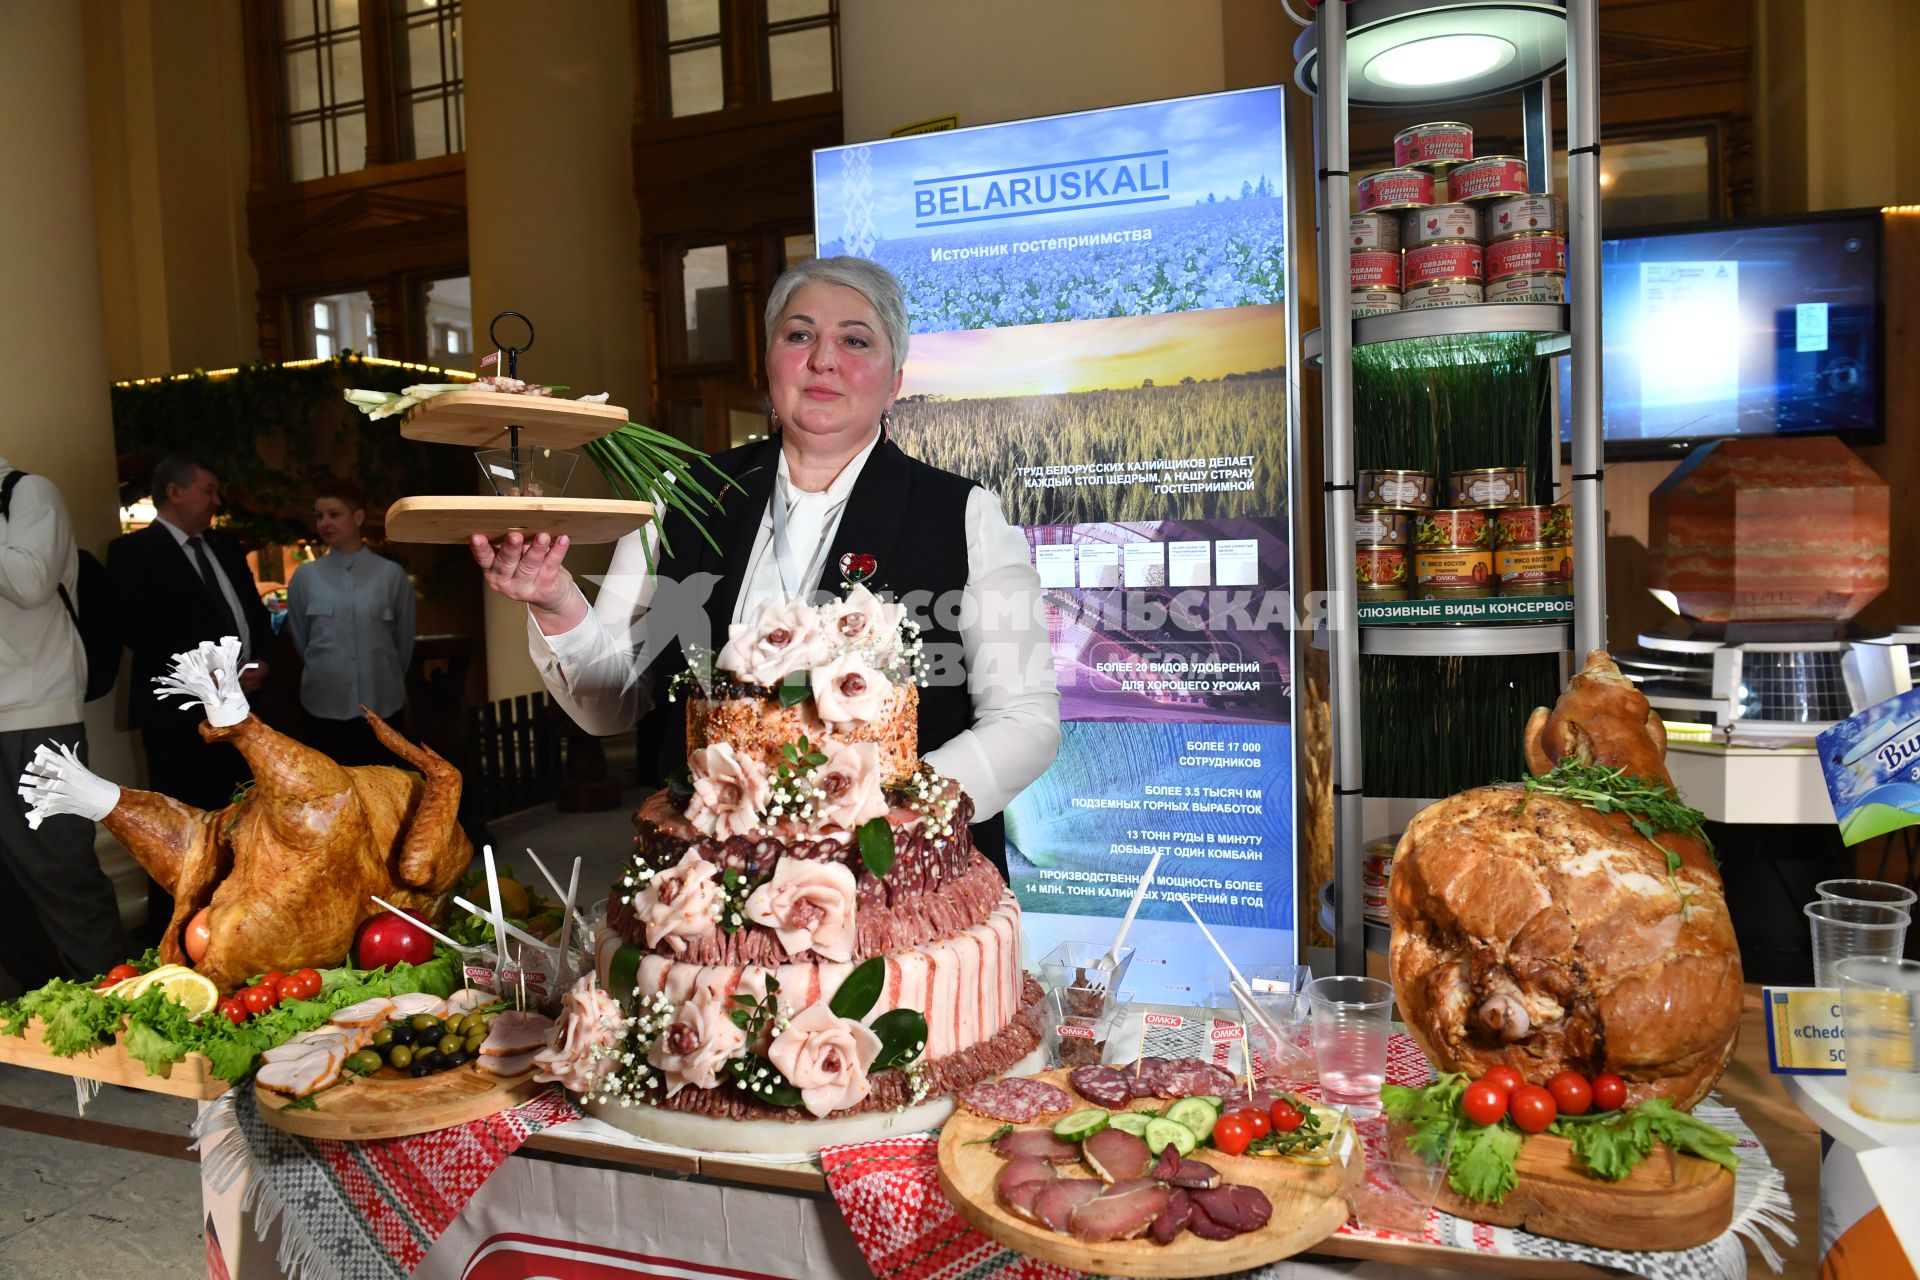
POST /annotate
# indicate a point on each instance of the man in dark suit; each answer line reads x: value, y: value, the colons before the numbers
x: 177, y: 582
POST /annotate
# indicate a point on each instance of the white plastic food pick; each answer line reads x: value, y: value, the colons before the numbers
x: 428, y: 929
x: 1239, y: 983
x: 572, y: 912
x: 1111, y: 960
x: 493, y: 914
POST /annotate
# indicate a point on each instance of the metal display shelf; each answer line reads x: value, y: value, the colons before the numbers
x: 1493, y: 609
x: 1473, y: 642
x: 1345, y: 59
x: 1379, y: 936
x: 1453, y: 322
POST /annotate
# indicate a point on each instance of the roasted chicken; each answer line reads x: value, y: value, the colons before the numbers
x: 1538, y: 932
x: 282, y: 877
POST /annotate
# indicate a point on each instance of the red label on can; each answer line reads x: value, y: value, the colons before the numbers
x: 1527, y: 255
x: 1395, y: 189
x: 1433, y: 144
x: 1526, y: 214
x: 1443, y: 222
x: 1493, y: 176
x: 1373, y: 271
x: 1456, y: 261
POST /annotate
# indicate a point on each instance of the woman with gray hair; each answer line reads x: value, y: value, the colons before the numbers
x: 825, y: 487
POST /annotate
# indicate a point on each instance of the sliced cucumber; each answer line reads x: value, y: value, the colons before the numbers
x: 1218, y: 1102
x: 1161, y: 1134
x: 1081, y: 1125
x: 1133, y: 1122
x: 1197, y: 1114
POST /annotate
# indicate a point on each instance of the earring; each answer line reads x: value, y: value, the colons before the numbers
x: 886, y: 420
x: 773, y: 422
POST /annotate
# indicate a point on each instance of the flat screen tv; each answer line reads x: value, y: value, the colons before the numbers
x: 1754, y: 328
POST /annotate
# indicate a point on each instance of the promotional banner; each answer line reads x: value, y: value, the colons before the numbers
x: 1099, y: 338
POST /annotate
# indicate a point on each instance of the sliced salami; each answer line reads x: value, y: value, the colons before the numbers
x: 1015, y: 1101
x: 1146, y: 1075
x: 1186, y: 1077
x: 1103, y: 1086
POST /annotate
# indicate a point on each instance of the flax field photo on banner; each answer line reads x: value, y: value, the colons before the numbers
x: 1100, y: 338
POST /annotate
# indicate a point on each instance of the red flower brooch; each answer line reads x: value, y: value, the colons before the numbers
x: 857, y: 566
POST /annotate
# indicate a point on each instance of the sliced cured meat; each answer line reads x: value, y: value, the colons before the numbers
x: 1055, y: 1203
x: 1120, y: 1217
x: 1190, y: 1077
x: 1131, y: 1184
x: 506, y: 1065
x: 1117, y: 1156
x: 368, y: 1013
x: 1025, y: 1169
x: 1202, y: 1223
x: 1172, y: 1219
x: 1103, y: 1086
x: 300, y: 1076
x: 1016, y: 1101
x: 418, y: 1002
x: 1019, y: 1198
x: 1234, y: 1208
x: 517, y: 1031
x: 1040, y: 1144
x: 1168, y: 1164
x: 1145, y: 1074
x: 1195, y: 1175
x: 467, y: 999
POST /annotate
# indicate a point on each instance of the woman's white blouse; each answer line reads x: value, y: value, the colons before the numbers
x: 593, y: 670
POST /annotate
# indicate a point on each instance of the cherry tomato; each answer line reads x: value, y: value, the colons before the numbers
x: 1286, y: 1117
x: 1505, y: 1079
x: 1484, y: 1102
x: 259, y: 999
x: 1533, y: 1109
x: 1232, y: 1133
x: 1257, y: 1121
x: 304, y: 985
x: 271, y: 981
x: 1572, y: 1095
x: 1609, y: 1091
x: 121, y: 972
x: 234, y: 1009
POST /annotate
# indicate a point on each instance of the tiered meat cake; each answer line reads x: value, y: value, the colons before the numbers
x: 807, y: 931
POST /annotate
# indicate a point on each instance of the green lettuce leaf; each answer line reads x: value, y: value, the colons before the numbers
x: 1483, y: 1162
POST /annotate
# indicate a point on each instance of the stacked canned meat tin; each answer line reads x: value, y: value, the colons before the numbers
x: 1446, y: 227
x: 1486, y: 541
x: 1376, y: 877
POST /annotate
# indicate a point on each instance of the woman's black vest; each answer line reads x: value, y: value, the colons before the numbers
x: 910, y: 517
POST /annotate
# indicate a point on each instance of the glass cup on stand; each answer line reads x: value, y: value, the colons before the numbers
x: 1352, y: 1018
x: 1880, y: 1003
x: 1844, y: 928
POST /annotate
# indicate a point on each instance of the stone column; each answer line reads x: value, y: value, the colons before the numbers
x: 59, y: 420
x: 553, y: 230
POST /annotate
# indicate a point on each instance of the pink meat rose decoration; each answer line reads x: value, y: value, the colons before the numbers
x: 776, y: 640
x: 587, y: 1041
x: 729, y: 791
x: 678, y: 902
x: 865, y: 622
x: 850, y: 786
x: 826, y: 1058
x: 697, y: 1044
x: 808, y: 905
x: 848, y: 692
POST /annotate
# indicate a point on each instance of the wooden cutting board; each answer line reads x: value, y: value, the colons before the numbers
x: 455, y: 519
x: 1669, y: 1202
x: 479, y: 420
x: 391, y: 1104
x: 109, y: 1064
x: 1309, y: 1204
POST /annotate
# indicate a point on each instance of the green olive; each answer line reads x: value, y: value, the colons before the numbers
x: 383, y: 1037
x: 474, y: 1040
x: 451, y: 1044
x: 364, y: 1061
x: 401, y: 1056
x: 455, y: 1024
x: 423, y: 1022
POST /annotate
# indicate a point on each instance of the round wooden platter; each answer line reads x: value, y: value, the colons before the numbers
x: 388, y: 1104
x: 454, y: 519
x: 1309, y: 1204
x: 479, y: 420
x: 1669, y: 1201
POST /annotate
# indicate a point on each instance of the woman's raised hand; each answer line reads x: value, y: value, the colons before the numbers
x: 534, y: 572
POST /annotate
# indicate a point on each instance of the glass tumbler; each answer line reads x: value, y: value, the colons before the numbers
x: 1880, y: 1002
x: 1351, y: 1021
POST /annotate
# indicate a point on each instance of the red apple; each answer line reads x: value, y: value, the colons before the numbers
x: 390, y: 938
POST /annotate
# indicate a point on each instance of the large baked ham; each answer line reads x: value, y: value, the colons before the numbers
x: 283, y: 876
x: 1551, y: 937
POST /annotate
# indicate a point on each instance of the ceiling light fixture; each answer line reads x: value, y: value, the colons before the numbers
x: 1404, y: 53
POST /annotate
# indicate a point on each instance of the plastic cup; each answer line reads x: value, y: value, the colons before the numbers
x: 1843, y: 928
x: 1352, y: 1018
x: 1075, y: 969
x: 1073, y: 1039
x: 1280, y: 993
x: 1397, y: 1193
x: 536, y: 472
x: 1880, y: 1004
x: 1880, y: 891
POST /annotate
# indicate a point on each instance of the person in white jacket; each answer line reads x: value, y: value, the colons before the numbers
x: 72, y: 925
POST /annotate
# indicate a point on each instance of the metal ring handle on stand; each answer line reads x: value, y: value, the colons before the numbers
x: 512, y: 353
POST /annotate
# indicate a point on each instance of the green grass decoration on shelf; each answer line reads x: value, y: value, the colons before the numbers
x: 1450, y: 404
x: 1432, y: 726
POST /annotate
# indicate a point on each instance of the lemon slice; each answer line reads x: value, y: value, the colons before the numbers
x: 138, y: 985
x: 192, y: 992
